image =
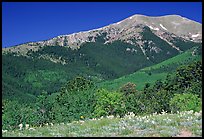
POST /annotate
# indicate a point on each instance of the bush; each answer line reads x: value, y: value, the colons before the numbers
x: 135, y: 103
x: 128, y: 88
x: 109, y: 103
x: 78, y: 84
x: 72, y: 105
x: 15, y: 114
x: 185, y: 102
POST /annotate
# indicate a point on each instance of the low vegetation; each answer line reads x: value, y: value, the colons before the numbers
x: 184, y: 124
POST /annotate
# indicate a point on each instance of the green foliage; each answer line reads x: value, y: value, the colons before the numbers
x: 109, y: 103
x: 187, y: 79
x: 188, y: 75
x: 128, y: 88
x: 79, y: 84
x: 185, y: 102
x: 43, y: 109
x: 15, y: 114
x: 135, y: 103
x: 75, y: 99
x: 158, y: 71
x: 72, y: 105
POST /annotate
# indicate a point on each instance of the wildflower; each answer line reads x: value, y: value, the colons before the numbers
x: 163, y: 112
x: 190, y: 112
x: 51, y: 124
x: 155, y: 113
x: 46, y: 124
x: 118, y: 116
x: 82, y: 117
x: 110, y: 117
x: 20, y: 126
x: 4, y: 131
x: 197, y: 114
x: 27, y: 126
x: 153, y: 122
x: 131, y: 114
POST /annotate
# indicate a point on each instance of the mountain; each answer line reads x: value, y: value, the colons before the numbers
x: 128, y: 30
x: 101, y: 54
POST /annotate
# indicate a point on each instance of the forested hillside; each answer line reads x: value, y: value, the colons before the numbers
x: 179, y: 91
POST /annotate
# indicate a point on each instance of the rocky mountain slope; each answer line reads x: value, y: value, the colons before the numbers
x: 128, y: 30
x: 101, y: 54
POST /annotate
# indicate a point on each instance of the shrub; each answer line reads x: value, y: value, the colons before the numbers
x: 185, y: 102
x: 15, y: 114
x: 72, y: 105
x: 128, y: 88
x: 78, y: 84
x: 135, y: 103
x: 109, y: 103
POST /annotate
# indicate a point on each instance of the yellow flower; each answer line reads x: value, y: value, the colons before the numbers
x: 82, y: 117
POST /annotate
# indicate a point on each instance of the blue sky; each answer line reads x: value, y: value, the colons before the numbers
x: 34, y: 21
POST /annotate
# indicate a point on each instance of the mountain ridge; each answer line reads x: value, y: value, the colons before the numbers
x: 124, y: 30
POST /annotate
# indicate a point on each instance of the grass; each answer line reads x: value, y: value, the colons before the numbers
x: 152, y: 73
x: 160, y: 125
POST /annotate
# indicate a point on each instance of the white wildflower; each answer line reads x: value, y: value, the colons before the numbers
x: 129, y: 115
x: 20, y: 126
x: 46, y: 124
x: 164, y: 112
x: 27, y: 126
x: 147, y: 121
x: 197, y: 114
x: 190, y: 112
x: 110, y: 117
x: 155, y: 113
x: 51, y: 124
x: 153, y: 122
x: 4, y: 131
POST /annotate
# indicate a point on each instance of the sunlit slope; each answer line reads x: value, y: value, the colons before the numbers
x: 155, y: 72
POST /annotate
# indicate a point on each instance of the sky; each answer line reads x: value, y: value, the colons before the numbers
x: 35, y: 21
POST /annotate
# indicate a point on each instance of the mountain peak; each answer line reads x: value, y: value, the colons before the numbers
x: 127, y: 29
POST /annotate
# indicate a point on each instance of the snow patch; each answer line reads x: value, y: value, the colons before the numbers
x: 162, y: 26
x: 130, y: 17
x: 195, y: 35
x: 118, y: 22
x: 153, y: 28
